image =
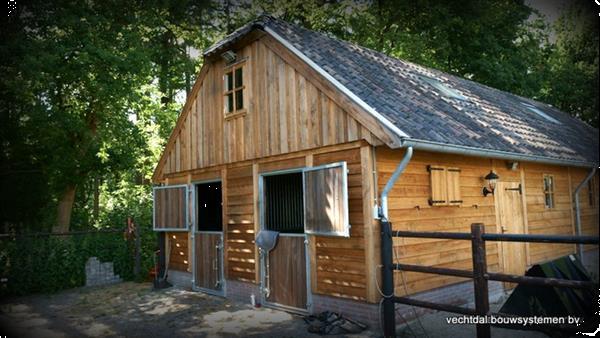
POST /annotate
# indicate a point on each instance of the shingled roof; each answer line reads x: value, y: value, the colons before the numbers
x: 435, y: 109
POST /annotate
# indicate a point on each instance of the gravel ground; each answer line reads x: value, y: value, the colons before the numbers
x: 134, y: 310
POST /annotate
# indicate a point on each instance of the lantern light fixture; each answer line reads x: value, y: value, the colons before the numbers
x: 491, y: 180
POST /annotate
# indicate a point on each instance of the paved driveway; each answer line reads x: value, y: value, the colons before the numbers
x: 134, y: 310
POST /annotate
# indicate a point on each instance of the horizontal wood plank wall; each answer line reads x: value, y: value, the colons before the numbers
x: 409, y: 210
x: 285, y: 112
x: 178, y: 244
x: 589, y: 213
x: 240, y: 231
x: 341, y: 261
x: 552, y: 221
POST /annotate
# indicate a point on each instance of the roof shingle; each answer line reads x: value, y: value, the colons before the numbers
x: 488, y: 119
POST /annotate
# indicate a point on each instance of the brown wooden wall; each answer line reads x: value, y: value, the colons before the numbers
x: 179, y: 257
x: 338, y: 265
x: 409, y: 210
x: 285, y: 112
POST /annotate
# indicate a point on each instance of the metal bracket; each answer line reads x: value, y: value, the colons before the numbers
x: 519, y: 189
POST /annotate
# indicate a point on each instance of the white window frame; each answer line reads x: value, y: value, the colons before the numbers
x: 187, y: 206
x: 346, y: 231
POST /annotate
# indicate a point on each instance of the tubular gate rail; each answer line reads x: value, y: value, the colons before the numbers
x: 480, y: 275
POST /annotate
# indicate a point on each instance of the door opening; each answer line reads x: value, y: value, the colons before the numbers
x: 285, y: 271
x: 208, y: 238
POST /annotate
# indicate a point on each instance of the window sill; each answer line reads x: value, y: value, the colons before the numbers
x: 237, y: 114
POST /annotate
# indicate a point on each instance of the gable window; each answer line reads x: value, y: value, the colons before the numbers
x: 234, y: 89
x: 549, y: 191
x: 445, y: 185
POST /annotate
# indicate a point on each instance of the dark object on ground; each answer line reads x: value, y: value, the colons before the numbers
x: 332, y: 323
x: 530, y: 301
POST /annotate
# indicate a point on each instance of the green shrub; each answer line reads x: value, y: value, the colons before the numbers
x: 49, y: 263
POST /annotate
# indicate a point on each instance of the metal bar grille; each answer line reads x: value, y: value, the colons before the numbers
x: 284, y: 203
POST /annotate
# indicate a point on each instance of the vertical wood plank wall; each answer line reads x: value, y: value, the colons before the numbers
x: 285, y: 112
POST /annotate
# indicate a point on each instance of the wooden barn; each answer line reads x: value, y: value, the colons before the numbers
x: 293, y: 131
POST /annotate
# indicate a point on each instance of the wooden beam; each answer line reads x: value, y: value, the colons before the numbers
x: 256, y: 219
x: 312, y: 245
x: 371, y: 228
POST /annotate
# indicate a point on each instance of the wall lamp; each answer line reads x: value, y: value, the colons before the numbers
x: 491, y: 180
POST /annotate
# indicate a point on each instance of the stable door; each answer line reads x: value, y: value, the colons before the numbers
x: 208, y: 239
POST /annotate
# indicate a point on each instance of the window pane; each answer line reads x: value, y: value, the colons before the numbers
x: 239, y: 99
x: 229, y: 81
x: 229, y: 102
x: 238, y: 78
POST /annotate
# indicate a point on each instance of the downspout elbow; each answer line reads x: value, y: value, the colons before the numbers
x: 383, y: 209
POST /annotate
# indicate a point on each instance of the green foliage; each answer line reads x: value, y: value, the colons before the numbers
x: 91, y: 90
x: 572, y: 84
x: 49, y: 264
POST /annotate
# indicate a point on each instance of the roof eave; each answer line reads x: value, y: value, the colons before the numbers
x: 490, y: 153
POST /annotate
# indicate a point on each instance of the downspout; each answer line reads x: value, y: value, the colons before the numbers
x: 578, y: 211
x: 383, y: 209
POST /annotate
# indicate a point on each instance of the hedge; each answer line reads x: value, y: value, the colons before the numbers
x: 48, y: 264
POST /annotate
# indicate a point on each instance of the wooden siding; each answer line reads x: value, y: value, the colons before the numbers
x: 589, y: 213
x: 409, y: 209
x: 285, y: 112
x: 544, y: 220
x: 240, y: 229
x: 341, y: 261
x: 178, y: 246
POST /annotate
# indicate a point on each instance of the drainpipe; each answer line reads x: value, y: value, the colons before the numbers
x: 383, y: 210
x: 578, y: 211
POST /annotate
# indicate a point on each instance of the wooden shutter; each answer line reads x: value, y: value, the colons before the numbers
x: 326, y: 200
x: 453, y: 186
x: 439, y: 185
x: 171, y: 208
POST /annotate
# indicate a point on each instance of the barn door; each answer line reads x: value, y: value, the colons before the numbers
x: 208, y: 238
x: 509, y: 206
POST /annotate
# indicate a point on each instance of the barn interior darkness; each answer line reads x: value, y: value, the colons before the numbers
x: 209, y: 207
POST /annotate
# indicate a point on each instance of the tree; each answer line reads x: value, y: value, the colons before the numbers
x: 572, y: 84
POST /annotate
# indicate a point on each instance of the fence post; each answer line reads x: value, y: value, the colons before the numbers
x: 387, y: 277
x: 480, y: 283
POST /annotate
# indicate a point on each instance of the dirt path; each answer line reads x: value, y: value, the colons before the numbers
x: 133, y: 310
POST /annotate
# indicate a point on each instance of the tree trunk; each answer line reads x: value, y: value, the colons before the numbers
x: 65, y: 207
